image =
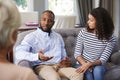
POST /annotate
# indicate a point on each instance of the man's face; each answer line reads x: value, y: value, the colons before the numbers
x: 46, y: 21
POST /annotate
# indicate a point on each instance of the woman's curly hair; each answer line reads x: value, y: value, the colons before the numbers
x: 104, y: 23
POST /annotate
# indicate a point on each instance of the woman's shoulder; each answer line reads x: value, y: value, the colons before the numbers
x: 82, y: 31
x: 25, y: 72
x: 113, y: 38
x: 16, y: 71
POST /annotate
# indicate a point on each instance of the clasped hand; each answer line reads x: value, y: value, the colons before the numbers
x: 84, y: 67
x: 42, y: 57
x: 64, y: 62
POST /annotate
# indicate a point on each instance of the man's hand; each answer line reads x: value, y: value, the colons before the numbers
x: 42, y: 57
x: 65, y: 62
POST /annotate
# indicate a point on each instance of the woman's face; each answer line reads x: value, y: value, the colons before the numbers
x: 91, y: 22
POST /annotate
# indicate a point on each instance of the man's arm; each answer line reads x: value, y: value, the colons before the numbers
x: 23, y: 50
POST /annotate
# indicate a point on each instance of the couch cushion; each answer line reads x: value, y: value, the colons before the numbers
x: 113, y: 74
x: 69, y: 37
x: 115, y: 58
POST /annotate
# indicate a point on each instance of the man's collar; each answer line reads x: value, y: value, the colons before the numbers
x: 45, y: 31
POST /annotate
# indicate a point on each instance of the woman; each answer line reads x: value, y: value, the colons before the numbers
x: 9, y: 23
x: 95, y: 44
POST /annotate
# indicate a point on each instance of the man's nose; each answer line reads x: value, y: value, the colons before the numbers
x: 46, y: 22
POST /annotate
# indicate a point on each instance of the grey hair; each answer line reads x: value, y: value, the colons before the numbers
x: 9, y: 22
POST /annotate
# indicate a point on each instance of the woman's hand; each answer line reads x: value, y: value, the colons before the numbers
x: 84, y: 67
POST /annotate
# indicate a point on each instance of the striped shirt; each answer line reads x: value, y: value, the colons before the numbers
x: 91, y: 48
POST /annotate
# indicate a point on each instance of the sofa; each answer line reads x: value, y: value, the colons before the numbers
x: 69, y: 37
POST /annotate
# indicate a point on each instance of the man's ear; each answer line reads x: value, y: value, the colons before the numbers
x: 53, y: 22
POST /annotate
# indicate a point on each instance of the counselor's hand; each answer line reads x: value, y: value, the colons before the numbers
x: 42, y: 57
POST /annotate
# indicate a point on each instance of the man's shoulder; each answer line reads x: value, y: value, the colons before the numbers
x: 56, y: 34
x: 32, y: 32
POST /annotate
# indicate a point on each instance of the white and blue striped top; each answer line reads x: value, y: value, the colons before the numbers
x: 91, y: 48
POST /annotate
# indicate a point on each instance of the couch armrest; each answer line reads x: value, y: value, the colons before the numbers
x: 115, y: 58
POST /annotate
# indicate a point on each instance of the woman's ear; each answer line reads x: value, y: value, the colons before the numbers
x: 13, y: 36
x: 12, y: 40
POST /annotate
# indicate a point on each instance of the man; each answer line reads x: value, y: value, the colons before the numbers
x: 45, y: 50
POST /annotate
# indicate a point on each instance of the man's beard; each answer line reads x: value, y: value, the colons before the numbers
x: 48, y: 30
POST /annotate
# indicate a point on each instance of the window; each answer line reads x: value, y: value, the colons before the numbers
x: 67, y: 8
x: 24, y: 5
x: 97, y: 3
x: 62, y: 7
x: 64, y: 11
